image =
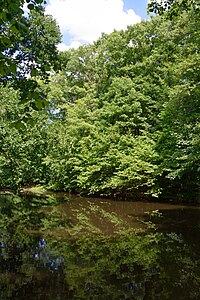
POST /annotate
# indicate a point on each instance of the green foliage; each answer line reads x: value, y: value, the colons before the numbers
x: 23, y: 148
x: 172, y: 8
x: 120, y: 118
x: 94, y: 154
x: 179, y: 141
x: 118, y: 106
x: 27, y: 47
x: 27, y: 39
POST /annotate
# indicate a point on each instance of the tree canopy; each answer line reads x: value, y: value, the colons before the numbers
x: 120, y: 117
x: 27, y: 46
x: 172, y: 8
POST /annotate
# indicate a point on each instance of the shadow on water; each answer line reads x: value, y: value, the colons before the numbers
x: 185, y: 222
x: 98, y: 249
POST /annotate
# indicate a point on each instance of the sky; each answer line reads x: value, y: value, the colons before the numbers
x: 83, y: 21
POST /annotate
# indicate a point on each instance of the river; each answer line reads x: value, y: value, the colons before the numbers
x: 85, y: 248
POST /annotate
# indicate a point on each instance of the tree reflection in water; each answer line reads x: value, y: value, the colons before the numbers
x: 35, y: 264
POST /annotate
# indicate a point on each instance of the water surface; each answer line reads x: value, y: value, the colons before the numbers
x: 83, y: 248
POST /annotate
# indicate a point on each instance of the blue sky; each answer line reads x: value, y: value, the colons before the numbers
x: 83, y: 21
x: 139, y: 6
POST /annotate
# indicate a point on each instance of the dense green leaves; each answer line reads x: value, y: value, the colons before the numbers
x: 172, y: 8
x: 138, y: 118
x: 121, y: 117
x: 23, y: 141
x: 27, y: 46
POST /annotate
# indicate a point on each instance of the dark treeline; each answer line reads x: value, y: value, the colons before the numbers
x: 121, y: 116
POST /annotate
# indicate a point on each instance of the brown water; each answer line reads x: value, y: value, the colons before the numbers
x: 85, y: 248
x: 108, y: 216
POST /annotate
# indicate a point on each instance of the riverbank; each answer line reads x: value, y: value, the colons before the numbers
x: 43, y: 191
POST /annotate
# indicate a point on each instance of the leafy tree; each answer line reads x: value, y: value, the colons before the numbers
x: 179, y: 141
x: 95, y: 144
x: 172, y: 8
x: 120, y: 116
x: 22, y: 145
x: 14, y: 27
x: 28, y: 46
x: 121, y: 107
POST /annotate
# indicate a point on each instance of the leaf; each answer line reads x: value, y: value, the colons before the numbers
x: 47, y: 68
x: 6, y: 41
x: 34, y: 72
x: 13, y: 68
x: 14, y: 7
x: 18, y: 124
x: 30, y: 6
x: 14, y: 28
x: 40, y: 104
x: 8, y: 16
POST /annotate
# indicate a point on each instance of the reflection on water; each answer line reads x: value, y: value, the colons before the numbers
x: 98, y: 249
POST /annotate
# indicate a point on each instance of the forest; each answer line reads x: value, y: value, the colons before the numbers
x: 117, y: 118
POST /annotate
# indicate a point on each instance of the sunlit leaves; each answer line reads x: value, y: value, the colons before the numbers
x: 122, y: 114
x: 172, y: 8
x: 27, y: 44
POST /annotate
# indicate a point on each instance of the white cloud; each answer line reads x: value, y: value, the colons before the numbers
x: 64, y: 47
x: 83, y: 21
x: 148, y: 1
